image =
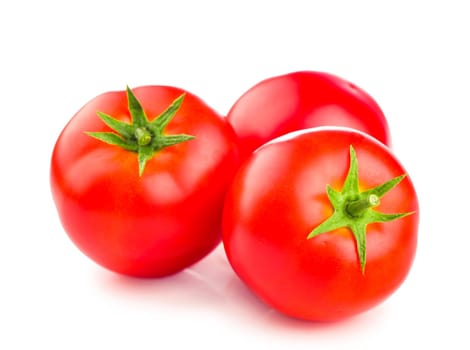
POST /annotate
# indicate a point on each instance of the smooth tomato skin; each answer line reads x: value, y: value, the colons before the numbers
x: 161, y: 222
x: 277, y: 198
x: 301, y: 100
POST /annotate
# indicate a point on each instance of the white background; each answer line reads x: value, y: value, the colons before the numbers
x: 411, y: 56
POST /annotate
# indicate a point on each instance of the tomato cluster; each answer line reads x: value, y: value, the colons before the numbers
x: 316, y: 214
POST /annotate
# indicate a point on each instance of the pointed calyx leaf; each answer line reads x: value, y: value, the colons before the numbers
x: 353, y: 209
x: 141, y: 136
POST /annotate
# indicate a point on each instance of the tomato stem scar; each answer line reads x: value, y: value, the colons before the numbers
x: 143, y: 136
x: 356, y: 214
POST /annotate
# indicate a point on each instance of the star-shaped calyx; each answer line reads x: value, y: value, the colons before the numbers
x: 141, y: 135
x: 353, y: 209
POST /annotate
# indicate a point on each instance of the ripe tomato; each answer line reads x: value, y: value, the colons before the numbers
x: 148, y: 202
x: 301, y: 100
x: 299, y: 227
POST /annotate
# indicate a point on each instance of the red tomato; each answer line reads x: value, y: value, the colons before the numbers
x: 164, y: 219
x: 314, y: 251
x: 301, y: 100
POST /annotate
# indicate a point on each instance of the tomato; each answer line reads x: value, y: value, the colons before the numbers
x: 301, y: 100
x: 321, y: 224
x: 144, y: 197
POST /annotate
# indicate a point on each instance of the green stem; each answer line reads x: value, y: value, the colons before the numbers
x: 356, y: 213
x: 358, y: 207
x: 143, y: 136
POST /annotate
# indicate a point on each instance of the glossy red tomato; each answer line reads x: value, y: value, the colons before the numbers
x: 322, y: 223
x: 301, y: 100
x: 149, y: 204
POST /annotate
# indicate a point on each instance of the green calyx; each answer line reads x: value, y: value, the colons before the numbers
x: 141, y: 136
x: 354, y: 209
